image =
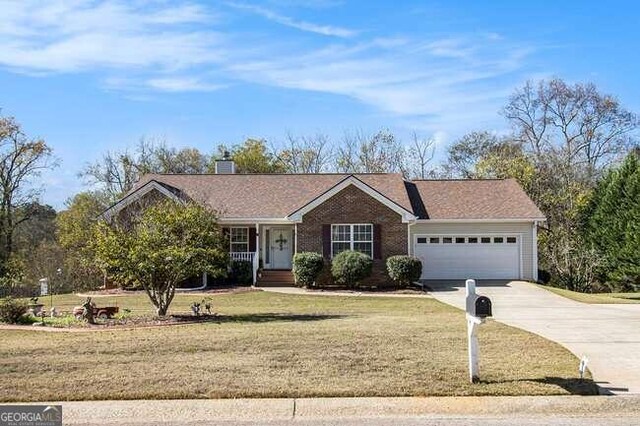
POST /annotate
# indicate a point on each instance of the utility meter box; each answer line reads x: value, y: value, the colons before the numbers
x: 479, y: 306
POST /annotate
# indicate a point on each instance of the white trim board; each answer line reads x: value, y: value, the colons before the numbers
x: 297, y: 215
x: 519, y: 220
x: 253, y: 221
x: 136, y: 195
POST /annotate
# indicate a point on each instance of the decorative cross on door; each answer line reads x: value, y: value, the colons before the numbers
x: 281, y: 241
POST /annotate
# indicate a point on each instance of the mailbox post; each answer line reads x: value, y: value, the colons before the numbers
x: 478, y: 308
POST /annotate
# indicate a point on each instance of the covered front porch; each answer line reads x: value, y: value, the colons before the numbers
x: 267, y: 246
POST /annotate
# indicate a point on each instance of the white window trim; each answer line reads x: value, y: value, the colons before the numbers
x: 231, y: 242
x: 351, y: 240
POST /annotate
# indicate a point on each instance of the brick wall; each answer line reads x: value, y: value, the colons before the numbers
x: 352, y: 205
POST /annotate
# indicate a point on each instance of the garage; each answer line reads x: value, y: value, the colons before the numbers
x: 446, y: 257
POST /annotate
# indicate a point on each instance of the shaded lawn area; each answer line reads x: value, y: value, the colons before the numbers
x: 276, y: 345
x: 595, y: 298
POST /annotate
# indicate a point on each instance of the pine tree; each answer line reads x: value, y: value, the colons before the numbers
x: 612, y: 224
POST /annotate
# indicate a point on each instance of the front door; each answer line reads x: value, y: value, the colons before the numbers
x: 280, y: 247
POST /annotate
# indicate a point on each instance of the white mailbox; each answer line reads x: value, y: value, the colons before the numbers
x: 478, y: 308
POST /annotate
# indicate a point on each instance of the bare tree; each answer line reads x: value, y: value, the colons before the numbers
x: 306, y: 154
x: 587, y: 129
x: 378, y: 153
x: 21, y: 158
x: 464, y: 154
x: 421, y: 153
x: 116, y: 172
x: 346, y: 159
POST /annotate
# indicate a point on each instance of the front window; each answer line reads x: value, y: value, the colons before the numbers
x: 239, y: 239
x: 358, y: 237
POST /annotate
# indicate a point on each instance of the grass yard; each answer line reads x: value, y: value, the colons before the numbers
x: 276, y: 345
x: 596, y: 298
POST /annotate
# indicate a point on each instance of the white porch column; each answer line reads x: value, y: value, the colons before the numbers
x: 534, y: 259
x: 256, y: 255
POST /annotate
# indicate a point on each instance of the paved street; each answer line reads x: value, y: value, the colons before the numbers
x: 609, y: 335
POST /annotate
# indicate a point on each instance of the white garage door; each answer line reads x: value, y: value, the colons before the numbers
x: 447, y: 257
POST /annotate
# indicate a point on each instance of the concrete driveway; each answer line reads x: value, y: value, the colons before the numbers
x: 608, y: 335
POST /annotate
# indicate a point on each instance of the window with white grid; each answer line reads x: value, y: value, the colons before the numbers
x: 358, y: 237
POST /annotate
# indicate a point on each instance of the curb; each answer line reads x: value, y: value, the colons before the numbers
x: 208, y: 410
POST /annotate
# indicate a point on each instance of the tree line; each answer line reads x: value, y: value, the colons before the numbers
x: 573, y: 149
x: 381, y: 152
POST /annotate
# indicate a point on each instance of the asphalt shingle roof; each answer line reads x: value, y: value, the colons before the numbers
x: 245, y: 196
x: 270, y: 195
x: 476, y: 199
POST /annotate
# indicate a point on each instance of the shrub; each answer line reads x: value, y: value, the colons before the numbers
x: 350, y: 267
x: 404, y: 270
x: 12, y: 310
x: 544, y: 276
x: 307, y: 267
x: 242, y: 272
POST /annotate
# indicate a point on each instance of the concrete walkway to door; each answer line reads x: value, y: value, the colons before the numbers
x: 608, y: 335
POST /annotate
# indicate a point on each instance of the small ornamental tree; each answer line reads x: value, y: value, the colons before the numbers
x: 165, y: 244
x: 307, y: 267
x: 350, y: 267
x: 404, y: 270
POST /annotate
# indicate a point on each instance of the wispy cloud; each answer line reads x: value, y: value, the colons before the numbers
x: 64, y: 36
x: 406, y: 79
x: 326, y: 30
x: 158, y: 47
x: 183, y: 84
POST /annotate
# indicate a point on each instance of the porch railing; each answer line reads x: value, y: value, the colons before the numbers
x: 247, y: 256
x: 242, y: 255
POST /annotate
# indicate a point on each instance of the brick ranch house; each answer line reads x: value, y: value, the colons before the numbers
x: 483, y: 229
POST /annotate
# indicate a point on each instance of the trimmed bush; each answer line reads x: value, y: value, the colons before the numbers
x: 242, y: 272
x: 404, y: 270
x: 350, y: 267
x: 307, y: 267
x: 12, y: 310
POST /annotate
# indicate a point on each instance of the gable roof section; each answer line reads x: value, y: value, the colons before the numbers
x: 476, y: 200
x: 139, y: 192
x: 406, y: 214
x: 271, y: 196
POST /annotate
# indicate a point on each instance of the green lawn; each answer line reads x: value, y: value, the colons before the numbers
x: 272, y: 345
x: 597, y: 298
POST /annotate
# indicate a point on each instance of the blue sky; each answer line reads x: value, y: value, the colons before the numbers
x: 90, y: 76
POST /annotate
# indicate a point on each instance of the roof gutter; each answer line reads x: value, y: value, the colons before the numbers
x: 532, y: 219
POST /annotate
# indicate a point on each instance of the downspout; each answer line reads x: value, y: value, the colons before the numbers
x: 409, y: 245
